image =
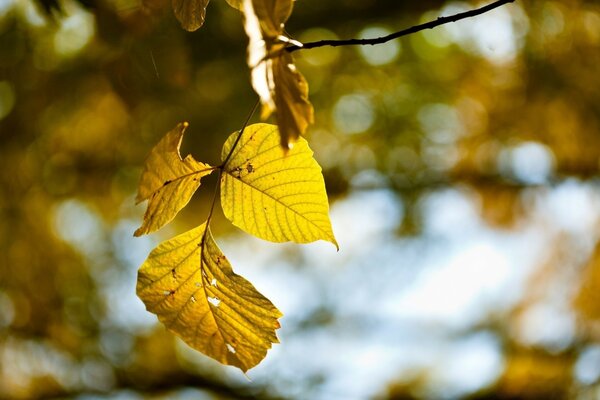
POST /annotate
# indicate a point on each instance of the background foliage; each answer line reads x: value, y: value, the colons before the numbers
x: 461, y: 163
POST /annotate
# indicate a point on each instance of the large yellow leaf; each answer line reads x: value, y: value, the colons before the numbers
x: 281, y: 88
x: 168, y: 182
x: 272, y: 194
x: 190, y: 13
x: 189, y: 284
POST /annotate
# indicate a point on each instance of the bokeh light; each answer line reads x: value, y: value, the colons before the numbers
x: 461, y: 164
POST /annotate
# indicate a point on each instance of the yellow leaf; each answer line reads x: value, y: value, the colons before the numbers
x: 190, y: 13
x: 274, y: 195
x: 168, y: 182
x: 281, y: 88
x: 190, y: 285
x: 272, y: 15
x: 237, y: 4
x: 290, y: 91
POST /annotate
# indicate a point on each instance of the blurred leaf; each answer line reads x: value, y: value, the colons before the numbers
x: 237, y: 4
x: 282, y: 89
x: 534, y: 374
x: 272, y: 194
x: 168, y: 181
x: 587, y: 300
x: 208, y: 306
x: 190, y: 13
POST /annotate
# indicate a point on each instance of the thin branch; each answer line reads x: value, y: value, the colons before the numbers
x: 414, y: 29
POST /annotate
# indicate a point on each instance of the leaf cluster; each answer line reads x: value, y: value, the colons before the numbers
x: 268, y: 187
x: 274, y: 194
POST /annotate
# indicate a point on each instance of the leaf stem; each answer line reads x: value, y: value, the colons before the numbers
x: 414, y: 29
x: 212, y: 204
x: 239, y: 136
x: 221, y: 168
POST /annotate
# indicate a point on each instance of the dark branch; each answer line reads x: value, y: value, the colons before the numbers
x: 396, y: 35
x: 168, y: 385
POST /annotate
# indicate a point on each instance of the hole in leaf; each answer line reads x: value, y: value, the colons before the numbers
x: 193, y: 299
x: 214, y: 301
x: 230, y: 348
x: 214, y: 282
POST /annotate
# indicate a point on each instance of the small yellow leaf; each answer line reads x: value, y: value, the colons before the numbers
x: 272, y: 15
x: 290, y: 91
x: 190, y: 285
x: 168, y: 182
x: 190, y: 13
x: 275, y: 195
x: 237, y: 4
x: 281, y: 88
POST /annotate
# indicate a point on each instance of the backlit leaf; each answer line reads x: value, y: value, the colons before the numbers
x: 168, y: 182
x: 281, y: 88
x: 190, y: 13
x: 290, y: 91
x: 272, y: 15
x: 237, y: 4
x: 190, y: 285
x: 272, y: 194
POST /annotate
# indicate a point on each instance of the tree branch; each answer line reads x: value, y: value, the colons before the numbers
x: 396, y: 35
x: 167, y: 385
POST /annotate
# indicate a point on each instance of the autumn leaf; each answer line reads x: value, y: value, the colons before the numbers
x: 190, y: 13
x: 281, y: 87
x: 274, y: 195
x: 237, y: 4
x: 190, y: 285
x: 271, y: 14
x: 168, y: 182
x: 294, y: 111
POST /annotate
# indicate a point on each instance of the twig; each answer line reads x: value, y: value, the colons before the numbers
x: 414, y: 29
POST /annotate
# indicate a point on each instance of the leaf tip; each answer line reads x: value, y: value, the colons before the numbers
x: 287, y: 143
x: 335, y: 243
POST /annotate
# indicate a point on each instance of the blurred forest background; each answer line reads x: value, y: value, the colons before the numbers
x: 462, y: 165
